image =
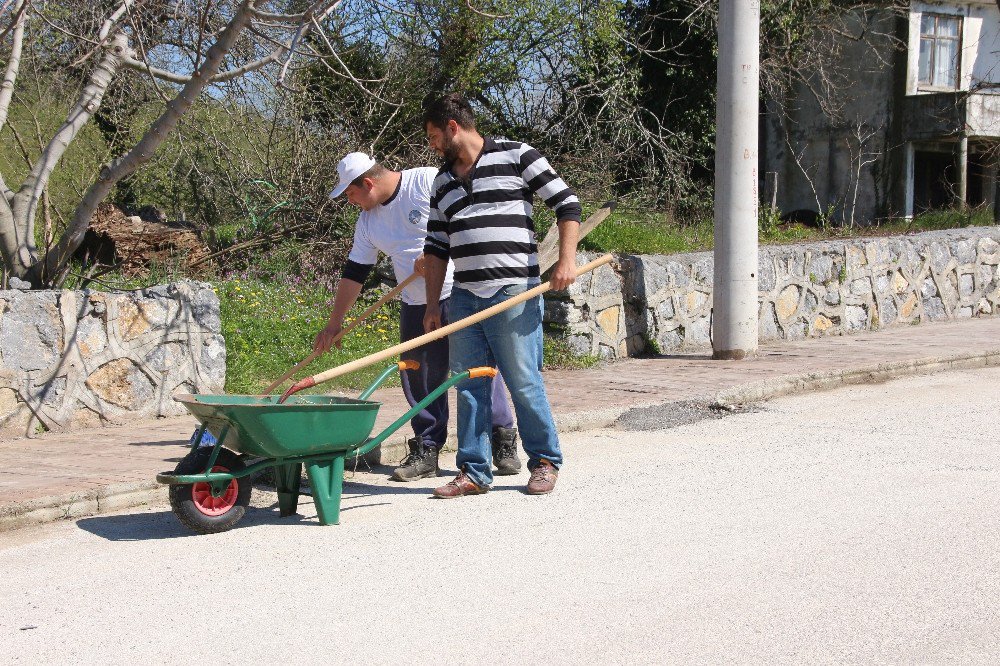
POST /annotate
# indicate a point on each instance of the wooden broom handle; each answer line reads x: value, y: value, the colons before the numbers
x: 436, y: 334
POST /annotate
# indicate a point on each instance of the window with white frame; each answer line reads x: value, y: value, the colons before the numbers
x: 940, y: 38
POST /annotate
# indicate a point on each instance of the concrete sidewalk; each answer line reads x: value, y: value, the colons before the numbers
x: 92, y: 471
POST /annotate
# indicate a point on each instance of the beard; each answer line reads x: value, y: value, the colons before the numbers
x: 449, y: 151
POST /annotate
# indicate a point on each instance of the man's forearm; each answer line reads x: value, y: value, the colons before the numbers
x: 435, y: 269
x: 347, y: 294
x: 569, y: 233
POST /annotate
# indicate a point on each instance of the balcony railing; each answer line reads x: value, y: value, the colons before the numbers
x: 944, y: 115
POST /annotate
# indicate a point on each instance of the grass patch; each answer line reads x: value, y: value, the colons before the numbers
x: 270, y: 326
x: 557, y: 355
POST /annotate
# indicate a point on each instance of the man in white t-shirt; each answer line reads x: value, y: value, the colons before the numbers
x: 395, y: 206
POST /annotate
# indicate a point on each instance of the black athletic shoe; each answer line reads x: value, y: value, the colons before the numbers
x: 505, y: 451
x: 420, y: 463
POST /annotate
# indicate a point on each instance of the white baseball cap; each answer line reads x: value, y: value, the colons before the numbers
x: 352, y: 166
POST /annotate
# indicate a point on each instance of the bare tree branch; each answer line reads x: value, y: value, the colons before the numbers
x: 127, y: 164
x: 13, y: 62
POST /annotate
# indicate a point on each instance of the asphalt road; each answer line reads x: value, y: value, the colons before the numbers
x: 856, y: 525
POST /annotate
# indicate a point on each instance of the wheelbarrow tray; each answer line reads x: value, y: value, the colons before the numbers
x: 304, y: 425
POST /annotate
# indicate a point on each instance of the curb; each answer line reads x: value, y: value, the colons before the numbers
x: 104, y: 499
x: 871, y: 374
x: 119, y: 496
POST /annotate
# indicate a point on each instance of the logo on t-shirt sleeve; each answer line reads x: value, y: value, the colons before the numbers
x: 415, y: 216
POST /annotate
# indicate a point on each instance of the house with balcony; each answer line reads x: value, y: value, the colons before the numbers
x: 902, y: 117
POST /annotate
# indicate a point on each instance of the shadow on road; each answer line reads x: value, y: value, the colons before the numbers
x: 149, y: 526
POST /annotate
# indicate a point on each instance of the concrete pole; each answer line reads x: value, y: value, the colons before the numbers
x: 734, y: 329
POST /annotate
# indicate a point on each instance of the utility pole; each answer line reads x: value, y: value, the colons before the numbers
x: 734, y: 325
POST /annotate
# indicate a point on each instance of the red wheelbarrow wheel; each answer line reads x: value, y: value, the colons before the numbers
x: 194, y: 505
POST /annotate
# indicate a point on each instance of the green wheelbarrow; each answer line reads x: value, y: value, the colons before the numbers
x: 210, y: 487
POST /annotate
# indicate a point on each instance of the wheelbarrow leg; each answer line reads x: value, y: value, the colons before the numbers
x: 326, y: 478
x: 287, y: 479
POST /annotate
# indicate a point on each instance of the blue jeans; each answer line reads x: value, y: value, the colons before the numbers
x: 512, y: 342
x: 430, y: 425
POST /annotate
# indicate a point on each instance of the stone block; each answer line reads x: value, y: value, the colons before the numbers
x: 698, y: 333
x: 579, y: 344
x: 795, y: 262
x: 766, y: 278
x: 934, y: 309
x: 908, y: 306
x: 787, y: 303
x: 877, y: 252
x: 928, y: 288
x: 821, y: 324
x: 899, y: 283
x: 670, y: 340
x: 665, y: 310
x: 987, y: 276
x: 887, y: 311
x: 832, y: 296
x: 796, y: 330
x: 861, y: 287
x: 964, y: 251
x: 678, y: 273
x: 91, y: 336
x: 122, y: 383
x: 988, y: 251
x: 52, y: 391
x: 821, y: 268
x: 693, y: 302
x: 966, y: 285
x: 855, y: 258
x: 984, y: 307
x: 212, y: 364
x: 767, y: 322
x: 810, y: 302
x: 561, y: 312
x: 139, y: 316
x: 882, y: 282
x: 31, y: 332
x: 605, y: 282
x: 703, y: 272
x: 939, y: 257
x: 964, y: 312
x: 855, y: 317
x: 609, y: 321
x: 912, y: 260
x: 647, y: 279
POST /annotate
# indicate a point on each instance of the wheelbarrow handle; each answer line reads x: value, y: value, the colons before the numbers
x: 431, y: 397
x: 401, y: 365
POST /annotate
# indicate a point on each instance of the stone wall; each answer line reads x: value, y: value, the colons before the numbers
x: 664, y: 303
x: 77, y: 358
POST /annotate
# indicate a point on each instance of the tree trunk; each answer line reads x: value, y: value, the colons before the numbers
x: 20, y: 252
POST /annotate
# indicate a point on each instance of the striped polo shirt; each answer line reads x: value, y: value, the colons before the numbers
x: 484, y: 225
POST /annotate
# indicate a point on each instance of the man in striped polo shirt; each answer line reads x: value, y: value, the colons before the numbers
x: 480, y: 218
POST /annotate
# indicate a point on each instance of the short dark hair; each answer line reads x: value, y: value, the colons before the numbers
x: 374, y: 173
x: 450, y: 107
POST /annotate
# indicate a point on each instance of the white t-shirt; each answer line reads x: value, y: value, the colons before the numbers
x: 398, y: 229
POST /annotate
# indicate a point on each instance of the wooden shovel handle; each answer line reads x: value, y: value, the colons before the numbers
x: 434, y: 335
x: 364, y: 315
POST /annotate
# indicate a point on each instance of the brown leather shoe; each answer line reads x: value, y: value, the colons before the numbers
x: 459, y: 486
x: 543, y: 478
